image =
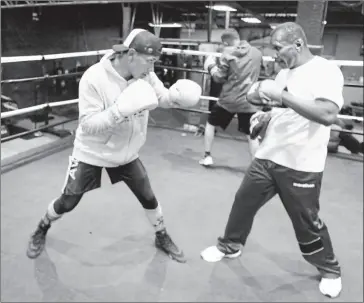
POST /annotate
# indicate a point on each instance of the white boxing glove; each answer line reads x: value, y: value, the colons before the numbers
x: 265, y: 92
x: 185, y: 93
x: 138, y: 96
x: 209, y: 62
x: 272, y: 90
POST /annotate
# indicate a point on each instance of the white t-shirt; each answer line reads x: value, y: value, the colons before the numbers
x: 292, y: 140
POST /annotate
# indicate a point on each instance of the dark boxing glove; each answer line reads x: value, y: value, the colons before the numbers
x: 259, y: 124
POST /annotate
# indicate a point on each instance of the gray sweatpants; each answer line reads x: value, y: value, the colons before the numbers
x: 300, y: 193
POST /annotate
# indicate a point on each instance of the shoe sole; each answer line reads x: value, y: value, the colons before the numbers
x: 32, y: 255
x: 331, y: 297
x: 229, y: 256
x: 233, y: 256
x: 206, y: 165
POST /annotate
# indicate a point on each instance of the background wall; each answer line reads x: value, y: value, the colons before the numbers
x: 93, y: 27
x: 59, y: 30
x: 344, y: 44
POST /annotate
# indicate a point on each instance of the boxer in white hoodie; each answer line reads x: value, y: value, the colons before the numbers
x: 115, y: 96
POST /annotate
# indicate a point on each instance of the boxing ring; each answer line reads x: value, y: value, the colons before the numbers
x: 104, y: 251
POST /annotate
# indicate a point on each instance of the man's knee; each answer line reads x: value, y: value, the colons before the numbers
x: 66, y: 203
x: 146, y: 195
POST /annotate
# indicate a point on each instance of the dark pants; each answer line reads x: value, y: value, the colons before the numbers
x: 82, y: 177
x: 299, y: 192
x: 219, y: 116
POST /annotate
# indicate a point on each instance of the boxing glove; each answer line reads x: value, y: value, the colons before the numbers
x: 259, y: 124
x: 209, y: 63
x: 185, y: 93
x: 334, y: 141
x: 136, y: 97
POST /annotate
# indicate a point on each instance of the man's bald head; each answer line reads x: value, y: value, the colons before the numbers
x: 290, y: 43
x: 289, y: 32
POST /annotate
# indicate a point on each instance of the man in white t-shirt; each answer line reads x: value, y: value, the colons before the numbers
x: 307, y: 96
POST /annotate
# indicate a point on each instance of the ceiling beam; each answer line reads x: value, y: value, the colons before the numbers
x: 21, y: 4
x: 253, y: 13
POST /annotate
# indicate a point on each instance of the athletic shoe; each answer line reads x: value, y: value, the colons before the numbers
x: 164, y: 242
x: 330, y: 287
x: 213, y: 254
x: 206, y: 161
x: 37, y: 240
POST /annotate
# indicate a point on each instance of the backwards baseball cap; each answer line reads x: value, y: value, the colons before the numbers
x: 142, y: 41
x: 230, y: 33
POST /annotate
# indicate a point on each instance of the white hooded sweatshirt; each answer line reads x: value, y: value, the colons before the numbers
x: 99, y: 141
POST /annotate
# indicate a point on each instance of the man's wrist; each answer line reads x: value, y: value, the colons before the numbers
x: 285, y: 98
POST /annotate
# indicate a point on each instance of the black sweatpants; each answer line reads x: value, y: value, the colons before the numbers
x: 82, y: 177
x: 300, y: 193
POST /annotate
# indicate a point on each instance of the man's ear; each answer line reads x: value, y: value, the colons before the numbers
x: 131, y: 52
x: 298, y: 43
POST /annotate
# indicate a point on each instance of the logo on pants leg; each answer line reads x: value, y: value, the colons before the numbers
x: 303, y: 185
x: 73, y: 168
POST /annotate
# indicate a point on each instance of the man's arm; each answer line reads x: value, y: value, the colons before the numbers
x: 322, y: 111
x: 161, y: 91
x: 328, y: 99
x: 94, y: 119
x: 183, y: 93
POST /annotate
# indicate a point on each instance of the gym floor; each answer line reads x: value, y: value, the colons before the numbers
x: 104, y: 250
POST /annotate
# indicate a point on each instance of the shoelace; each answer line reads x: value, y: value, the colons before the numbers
x: 37, y: 238
x: 166, y: 240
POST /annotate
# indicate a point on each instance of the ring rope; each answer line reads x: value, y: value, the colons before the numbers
x: 103, y: 52
x: 168, y: 51
x: 41, y: 78
x: 199, y: 71
x: 75, y: 101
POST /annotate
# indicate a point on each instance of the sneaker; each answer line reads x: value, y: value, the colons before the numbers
x: 206, y: 161
x: 330, y: 287
x: 164, y: 242
x: 37, y: 240
x: 213, y: 254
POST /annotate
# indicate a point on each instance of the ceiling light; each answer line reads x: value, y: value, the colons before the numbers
x: 251, y: 20
x: 170, y: 25
x: 280, y: 15
x: 222, y: 8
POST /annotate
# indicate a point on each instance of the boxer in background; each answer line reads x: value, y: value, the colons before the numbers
x: 237, y: 68
x: 308, y: 95
x: 115, y: 97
